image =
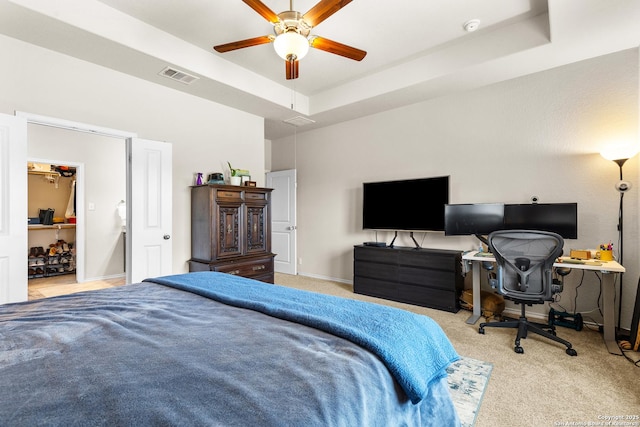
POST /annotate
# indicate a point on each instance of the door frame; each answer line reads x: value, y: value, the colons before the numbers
x: 80, y: 127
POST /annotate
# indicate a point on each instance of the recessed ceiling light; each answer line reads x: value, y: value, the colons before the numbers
x: 471, y: 25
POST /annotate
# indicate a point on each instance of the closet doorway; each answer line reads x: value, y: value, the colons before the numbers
x: 51, y: 209
x: 92, y: 248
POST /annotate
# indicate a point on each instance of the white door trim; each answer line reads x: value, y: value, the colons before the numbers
x: 77, y: 126
x: 80, y: 127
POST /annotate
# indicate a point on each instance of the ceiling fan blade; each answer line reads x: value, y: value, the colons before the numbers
x: 263, y: 10
x: 322, y: 10
x: 337, y: 48
x: 222, y: 48
x: 291, y: 69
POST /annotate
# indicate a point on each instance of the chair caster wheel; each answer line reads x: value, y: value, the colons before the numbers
x: 572, y: 352
x: 481, y: 331
x: 518, y: 349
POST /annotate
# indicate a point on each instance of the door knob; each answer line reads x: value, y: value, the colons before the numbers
x: 166, y: 237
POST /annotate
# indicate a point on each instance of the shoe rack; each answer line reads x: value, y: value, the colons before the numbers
x: 56, y: 260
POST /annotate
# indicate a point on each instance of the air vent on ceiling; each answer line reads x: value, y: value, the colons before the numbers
x: 178, y: 75
x: 299, y: 121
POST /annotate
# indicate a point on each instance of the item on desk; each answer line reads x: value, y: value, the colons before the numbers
x: 484, y: 254
x: 570, y: 261
x: 605, y: 253
x: 566, y: 260
x: 580, y: 254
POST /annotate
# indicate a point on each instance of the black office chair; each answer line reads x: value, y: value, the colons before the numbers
x: 525, y: 265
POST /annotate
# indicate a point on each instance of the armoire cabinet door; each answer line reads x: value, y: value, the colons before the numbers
x: 229, y: 231
x: 256, y: 229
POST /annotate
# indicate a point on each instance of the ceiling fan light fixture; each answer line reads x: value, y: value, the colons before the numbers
x: 291, y: 44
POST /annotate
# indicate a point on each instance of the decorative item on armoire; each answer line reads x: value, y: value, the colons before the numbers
x: 236, y: 175
x: 215, y: 178
x: 198, y: 178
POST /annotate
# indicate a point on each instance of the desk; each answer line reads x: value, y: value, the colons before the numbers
x: 608, y: 269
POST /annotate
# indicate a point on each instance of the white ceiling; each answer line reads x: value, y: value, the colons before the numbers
x: 416, y: 49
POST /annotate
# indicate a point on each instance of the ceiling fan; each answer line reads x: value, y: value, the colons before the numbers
x: 292, y: 37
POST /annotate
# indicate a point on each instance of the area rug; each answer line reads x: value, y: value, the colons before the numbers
x: 468, y: 380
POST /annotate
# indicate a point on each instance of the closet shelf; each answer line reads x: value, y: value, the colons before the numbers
x: 51, y: 227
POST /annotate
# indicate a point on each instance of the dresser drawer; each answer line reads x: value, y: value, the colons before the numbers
x: 228, y: 195
x: 245, y: 268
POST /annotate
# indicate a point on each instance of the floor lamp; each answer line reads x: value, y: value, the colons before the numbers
x: 620, y: 153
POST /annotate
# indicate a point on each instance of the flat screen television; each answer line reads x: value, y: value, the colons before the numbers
x: 409, y: 205
x: 561, y: 218
x: 478, y: 219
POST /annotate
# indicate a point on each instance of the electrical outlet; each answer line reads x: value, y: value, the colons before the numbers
x: 299, y: 261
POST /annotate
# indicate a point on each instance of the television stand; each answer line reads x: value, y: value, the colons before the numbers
x: 412, y: 238
x: 427, y: 277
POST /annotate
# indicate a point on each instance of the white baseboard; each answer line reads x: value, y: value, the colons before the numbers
x: 331, y: 279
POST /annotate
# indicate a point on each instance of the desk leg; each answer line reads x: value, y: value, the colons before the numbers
x: 608, y: 312
x: 477, y: 309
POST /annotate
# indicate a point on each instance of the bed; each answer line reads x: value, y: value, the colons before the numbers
x: 213, y: 349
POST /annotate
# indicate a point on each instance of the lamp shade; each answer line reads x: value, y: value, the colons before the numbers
x: 620, y: 151
x: 291, y: 43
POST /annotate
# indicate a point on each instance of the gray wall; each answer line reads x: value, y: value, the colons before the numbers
x: 205, y: 135
x: 536, y: 135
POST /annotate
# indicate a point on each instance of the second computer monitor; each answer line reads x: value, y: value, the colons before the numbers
x: 561, y: 218
x: 473, y: 219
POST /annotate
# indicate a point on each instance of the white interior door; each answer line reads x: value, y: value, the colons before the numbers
x: 13, y: 209
x: 149, y: 203
x: 283, y: 219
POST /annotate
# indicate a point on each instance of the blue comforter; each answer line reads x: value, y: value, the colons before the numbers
x: 413, y: 347
x: 147, y: 355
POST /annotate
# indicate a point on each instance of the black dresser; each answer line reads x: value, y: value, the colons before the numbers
x: 426, y: 277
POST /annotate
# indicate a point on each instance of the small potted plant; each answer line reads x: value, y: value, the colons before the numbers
x: 236, y: 175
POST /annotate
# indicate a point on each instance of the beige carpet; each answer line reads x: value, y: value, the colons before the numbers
x: 542, y: 387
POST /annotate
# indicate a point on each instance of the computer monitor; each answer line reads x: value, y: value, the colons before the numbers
x: 561, y: 218
x: 473, y: 219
